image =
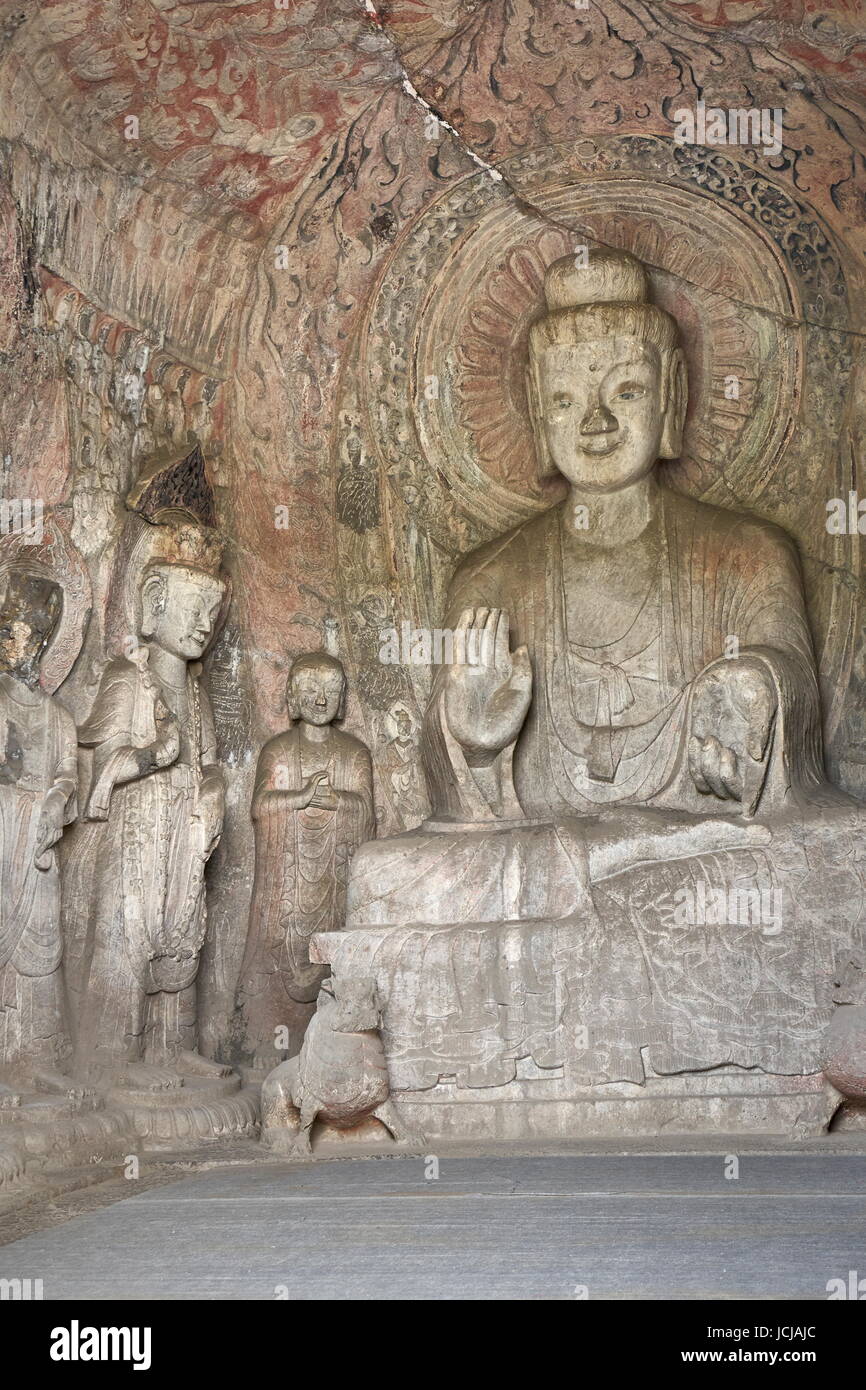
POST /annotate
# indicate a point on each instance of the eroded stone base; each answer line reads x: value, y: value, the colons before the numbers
x: 193, y: 1112
x: 730, y: 1102
x: 49, y: 1140
x: 46, y: 1134
x: 511, y: 1033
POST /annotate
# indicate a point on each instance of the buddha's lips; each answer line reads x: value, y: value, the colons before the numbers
x: 600, y: 453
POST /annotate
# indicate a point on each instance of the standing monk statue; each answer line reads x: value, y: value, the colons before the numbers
x: 312, y: 807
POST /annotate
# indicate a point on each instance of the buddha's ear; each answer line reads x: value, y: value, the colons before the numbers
x: 292, y: 706
x: 676, y: 400
x: 546, y: 467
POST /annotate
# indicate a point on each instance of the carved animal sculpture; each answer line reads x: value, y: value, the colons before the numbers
x: 340, y: 1075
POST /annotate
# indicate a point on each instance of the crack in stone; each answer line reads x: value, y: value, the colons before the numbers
x: 532, y: 210
x: 412, y: 91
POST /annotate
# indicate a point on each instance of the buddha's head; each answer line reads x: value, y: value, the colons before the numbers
x: 29, y: 614
x: 179, y: 608
x: 607, y: 381
x: 317, y: 688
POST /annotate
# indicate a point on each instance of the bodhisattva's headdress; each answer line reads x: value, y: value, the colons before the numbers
x: 608, y: 297
x: 36, y: 601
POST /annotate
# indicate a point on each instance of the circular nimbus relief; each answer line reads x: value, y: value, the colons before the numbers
x: 445, y: 349
x: 48, y: 553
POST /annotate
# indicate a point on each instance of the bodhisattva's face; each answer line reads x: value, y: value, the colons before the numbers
x: 316, y: 692
x: 601, y: 409
x: 24, y: 635
x: 186, y: 621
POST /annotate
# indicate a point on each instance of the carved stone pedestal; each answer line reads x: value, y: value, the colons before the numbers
x: 47, y: 1140
x: 42, y: 1134
x: 190, y: 1112
x: 541, y: 1032
x: 544, y: 1111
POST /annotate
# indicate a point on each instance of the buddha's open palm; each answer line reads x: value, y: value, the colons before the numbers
x: 488, y: 687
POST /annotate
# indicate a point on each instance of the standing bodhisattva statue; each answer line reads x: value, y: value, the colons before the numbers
x: 38, y: 785
x: 155, y: 811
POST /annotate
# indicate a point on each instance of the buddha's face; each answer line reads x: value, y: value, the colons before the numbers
x: 601, y: 411
x: 181, y: 609
x: 316, y: 693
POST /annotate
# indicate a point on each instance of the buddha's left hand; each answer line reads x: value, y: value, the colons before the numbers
x: 733, y: 712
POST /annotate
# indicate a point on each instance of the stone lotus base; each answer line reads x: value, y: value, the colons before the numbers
x: 196, y: 1110
x: 47, y: 1134
x: 46, y: 1139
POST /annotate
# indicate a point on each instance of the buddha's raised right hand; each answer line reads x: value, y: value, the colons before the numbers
x: 488, y: 688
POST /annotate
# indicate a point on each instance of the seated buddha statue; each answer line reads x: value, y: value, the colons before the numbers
x: 640, y: 684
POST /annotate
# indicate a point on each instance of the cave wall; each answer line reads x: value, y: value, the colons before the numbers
x: 312, y: 235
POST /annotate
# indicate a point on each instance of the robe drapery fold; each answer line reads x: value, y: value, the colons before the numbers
x: 721, y: 575
x: 30, y: 899
x: 32, y: 1002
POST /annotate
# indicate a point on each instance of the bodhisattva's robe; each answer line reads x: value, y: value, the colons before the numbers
x: 302, y: 865
x: 135, y: 899
x: 38, y: 754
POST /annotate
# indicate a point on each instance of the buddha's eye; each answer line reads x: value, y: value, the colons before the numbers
x: 630, y: 393
x: 562, y: 402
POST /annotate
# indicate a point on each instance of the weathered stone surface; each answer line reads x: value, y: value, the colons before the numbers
x: 282, y: 269
x: 312, y: 808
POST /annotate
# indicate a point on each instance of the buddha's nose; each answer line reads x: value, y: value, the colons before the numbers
x: 598, y: 420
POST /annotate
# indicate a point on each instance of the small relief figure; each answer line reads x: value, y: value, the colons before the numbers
x: 341, y: 1075
x: 312, y: 807
x: 155, y: 811
x: 401, y: 768
x: 38, y: 785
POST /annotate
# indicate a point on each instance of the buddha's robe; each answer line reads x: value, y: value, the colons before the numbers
x: 610, y: 727
x: 302, y: 865
x: 607, y: 731
x: 581, y: 936
x: 38, y: 754
x: 135, y: 901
